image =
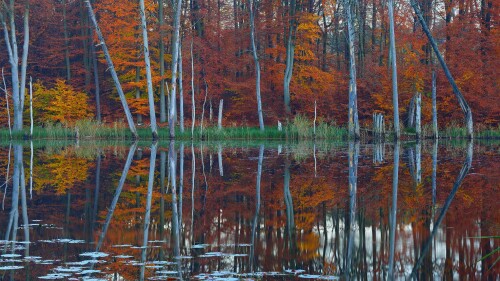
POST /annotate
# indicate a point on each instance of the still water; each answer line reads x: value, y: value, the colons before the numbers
x: 250, y: 211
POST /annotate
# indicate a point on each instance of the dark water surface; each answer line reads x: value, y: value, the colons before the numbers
x: 250, y: 211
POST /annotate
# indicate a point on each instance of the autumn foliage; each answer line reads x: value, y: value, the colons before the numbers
x: 466, y: 31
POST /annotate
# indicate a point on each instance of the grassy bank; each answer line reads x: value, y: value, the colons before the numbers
x: 300, y: 129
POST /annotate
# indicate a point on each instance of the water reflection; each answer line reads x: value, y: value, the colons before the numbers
x: 315, y: 211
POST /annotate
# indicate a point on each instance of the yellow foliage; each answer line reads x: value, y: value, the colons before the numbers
x: 60, y: 104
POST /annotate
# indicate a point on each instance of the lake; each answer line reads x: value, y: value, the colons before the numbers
x: 250, y: 211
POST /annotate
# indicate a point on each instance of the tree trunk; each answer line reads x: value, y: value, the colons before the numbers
x: 31, y: 107
x: 66, y: 43
x: 290, y: 52
x: 181, y: 92
x: 112, y: 70
x: 175, y: 56
x: 97, y: 89
x: 219, y: 120
x: 393, y: 213
x: 149, y: 78
x: 18, y: 86
x: 193, y: 104
x: 434, y: 107
x: 353, y: 108
x: 253, y: 8
x: 161, y: 19
x: 461, y: 100
x: 418, y: 115
x: 7, y: 103
x: 395, y: 102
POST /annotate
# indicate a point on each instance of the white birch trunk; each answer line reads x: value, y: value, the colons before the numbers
x: 175, y: 56
x: 434, y: 108
x: 353, y: 109
x: 31, y: 107
x: 219, y: 119
x: 253, y: 8
x: 7, y: 103
x: 181, y: 92
x: 149, y: 78
x: 418, y: 115
x: 193, y: 104
x: 395, y: 102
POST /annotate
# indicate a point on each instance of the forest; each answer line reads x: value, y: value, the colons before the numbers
x: 419, y: 66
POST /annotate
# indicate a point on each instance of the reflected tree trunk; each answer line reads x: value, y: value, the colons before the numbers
x: 147, y: 216
x: 116, y: 196
x: 351, y: 232
x: 172, y: 158
x: 458, y: 182
x: 193, y: 175
x: 219, y: 154
x: 252, y: 258
x: 393, y: 213
x: 163, y: 164
x: 7, y: 179
x: 181, y: 182
x: 290, y: 222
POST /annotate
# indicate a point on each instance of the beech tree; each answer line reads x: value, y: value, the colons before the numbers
x: 353, y: 98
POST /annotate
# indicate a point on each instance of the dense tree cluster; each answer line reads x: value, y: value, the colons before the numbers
x: 299, y: 49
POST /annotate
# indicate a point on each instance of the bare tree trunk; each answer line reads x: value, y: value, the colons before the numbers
x: 219, y: 120
x: 175, y: 57
x: 147, y: 215
x: 393, y: 213
x: 418, y: 115
x: 395, y: 102
x: 149, y: 78
x: 66, y: 43
x: 181, y: 92
x: 113, y: 71
x: 461, y: 100
x: 203, y: 109
x: 434, y: 108
x: 193, y: 104
x: 252, y: 4
x: 290, y: 53
x: 18, y: 87
x: 97, y: 89
x: 161, y: 19
x: 7, y: 102
x: 353, y: 108
x: 31, y: 107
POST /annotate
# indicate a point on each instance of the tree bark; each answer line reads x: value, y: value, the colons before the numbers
x: 418, y: 115
x: 97, y: 88
x: 461, y: 100
x: 161, y: 19
x: 18, y: 86
x: 395, y: 102
x: 66, y: 43
x: 175, y: 56
x: 353, y: 108
x: 112, y: 70
x: 434, y: 107
x: 252, y: 4
x: 149, y: 78
x: 290, y: 52
x: 193, y: 104
x: 181, y: 92
x: 219, y: 120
